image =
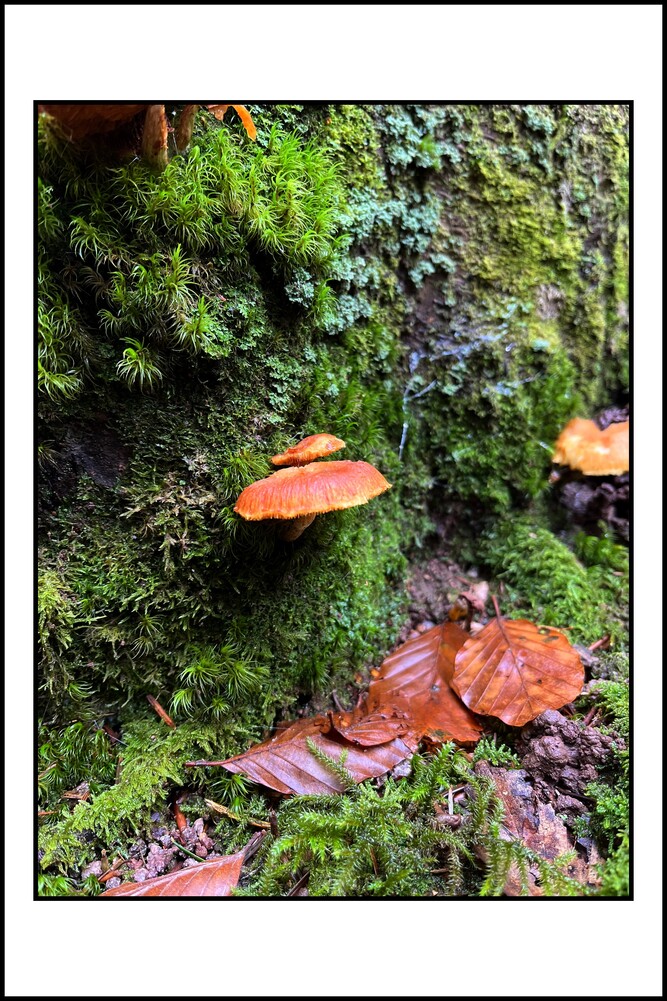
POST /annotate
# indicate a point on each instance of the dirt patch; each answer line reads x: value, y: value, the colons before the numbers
x: 563, y: 757
x: 433, y: 588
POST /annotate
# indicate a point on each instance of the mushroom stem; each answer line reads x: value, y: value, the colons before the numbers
x: 293, y: 528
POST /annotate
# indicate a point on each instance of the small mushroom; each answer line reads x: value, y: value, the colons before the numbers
x: 299, y: 493
x: 313, y: 447
x: 583, y: 446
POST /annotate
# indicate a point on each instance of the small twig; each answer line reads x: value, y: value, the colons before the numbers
x: 160, y: 711
x: 113, y: 871
x: 180, y: 818
x: 218, y: 808
x: 450, y: 801
x: 373, y: 860
x: 187, y: 851
x: 495, y: 605
x: 112, y: 735
x: 337, y: 702
x: 603, y: 643
x: 273, y: 822
x: 203, y: 764
x: 253, y: 846
x: 298, y: 885
x: 590, y: 716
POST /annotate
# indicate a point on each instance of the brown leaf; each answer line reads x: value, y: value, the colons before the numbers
x: 286, y: 763
x: 213, y: 878
x: 414, y: 678
x: 537, y: 825
x: 477, y: 595
x: 372, y: 729
x: 516, y: 670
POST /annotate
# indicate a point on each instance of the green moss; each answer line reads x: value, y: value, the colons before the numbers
x: 374, y: 842
x: 547, y: 583
x: 442, y: 287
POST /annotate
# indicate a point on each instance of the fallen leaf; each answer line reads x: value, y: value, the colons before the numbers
x: 369, y: 730
x: 213, y: 878
x: 82, y: 792
x: 537, y: 825
x: 477, y: 595
x: 415, y: 679
x: 516, y: 670
x: 286, y: 763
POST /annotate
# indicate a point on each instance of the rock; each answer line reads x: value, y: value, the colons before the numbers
x: 94, y: 869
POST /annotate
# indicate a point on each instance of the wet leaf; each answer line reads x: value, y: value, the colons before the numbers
x: 415, y: 679
x: 213, y: 878
x: 287, y: 764
x: 516, y: 670
x: 369, y: 730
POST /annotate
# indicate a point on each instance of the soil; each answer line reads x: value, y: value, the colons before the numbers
x: 160, y: 855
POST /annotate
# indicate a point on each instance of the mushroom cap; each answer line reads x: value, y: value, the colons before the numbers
x: 312, y: 447
x: 583, y: 446
x: 313, y: 489
x: 82, y: 120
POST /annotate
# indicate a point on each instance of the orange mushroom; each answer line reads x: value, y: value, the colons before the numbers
x: 583, y: 446
x: 312, y: 447
x: 299, y: 493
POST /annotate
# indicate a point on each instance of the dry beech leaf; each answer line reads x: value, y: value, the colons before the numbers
x: 415, y: 678
x: 372, y: 729
x: 516, y: 670
x: 286, y: 763
x: 213, y: 878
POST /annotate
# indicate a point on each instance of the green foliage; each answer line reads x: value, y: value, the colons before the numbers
x: 133, y: 241
x: 545, y: 581
x: 386, y: 841
x: 151, y: 756
x: 496, y: 754
x: 616, y: 872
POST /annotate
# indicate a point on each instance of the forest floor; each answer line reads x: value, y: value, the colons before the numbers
x: 544, y: 789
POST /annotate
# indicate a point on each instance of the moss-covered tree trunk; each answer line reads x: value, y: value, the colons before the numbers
x: 443, y: 287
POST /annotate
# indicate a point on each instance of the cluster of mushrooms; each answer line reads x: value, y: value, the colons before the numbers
x: 307, y: 488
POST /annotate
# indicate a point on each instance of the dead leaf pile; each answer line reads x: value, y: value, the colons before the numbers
x: 433, y: 688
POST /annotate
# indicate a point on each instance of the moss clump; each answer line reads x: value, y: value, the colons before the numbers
x: 545, y: 580
x: 386, y: 842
